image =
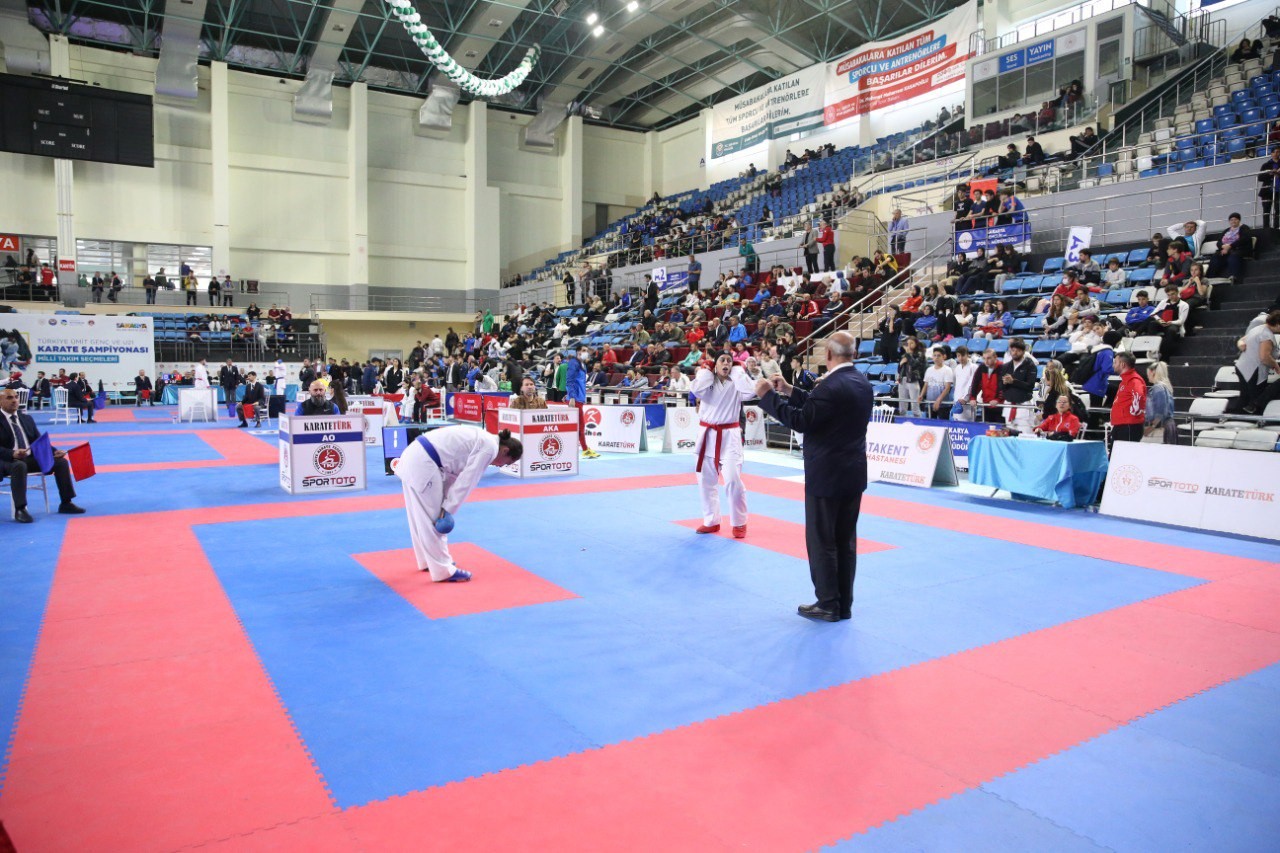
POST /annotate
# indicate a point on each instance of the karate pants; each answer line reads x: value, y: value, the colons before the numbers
x: 423, y: 485
x: 731, y: 468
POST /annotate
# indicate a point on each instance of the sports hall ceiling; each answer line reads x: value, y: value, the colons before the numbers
x: 650, y: 68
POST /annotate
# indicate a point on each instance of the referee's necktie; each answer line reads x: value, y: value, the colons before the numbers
x: 19, y: 436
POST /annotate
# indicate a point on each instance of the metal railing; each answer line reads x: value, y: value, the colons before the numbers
x: 463, y: 303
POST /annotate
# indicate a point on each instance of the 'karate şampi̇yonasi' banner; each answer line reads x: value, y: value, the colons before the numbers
x: 107, y: 348
x: 887, y: 73
x: 789, y: 105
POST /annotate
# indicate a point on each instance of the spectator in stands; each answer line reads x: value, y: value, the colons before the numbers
x: 1086, y: 336
x: 987, y: 390
x: 926, y: 324
x: 1129, y: 411
x: 393, y: 376
x: 962, y: 204
x: 1087, y: 268
x: 1018, y: 378
x: 1114, y: 277
x: 1196, y: 290
x: 1010, y: 158
x: 96, y: 286
x: 827, y: 240
x: 1158, y: 254
x: 1093, y: 372
x: 1081, y: 144
x: 1005, y: 264
x: 1160, y: 406
x: 1269, y: 191
x: 1257, y: 361
x: 976, y: 275
x: 888, y: 332
x: 1235, y: 244
x: 809, y: 248
x: 1053, y: 385
x: 1011, y: 210
x: 1169, y: 320
x: 1140, y: 313
x: 1191, y: 232
x: 939, y: 382
x: 1033, y: 154
x: 1246, y: 50
x: 911, y: 367
x: 898, y: 228
x: 1055, y: 321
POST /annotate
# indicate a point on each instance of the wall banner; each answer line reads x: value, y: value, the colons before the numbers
x: 789, y: 105
x: 887, y: 73
x: 110, y: 349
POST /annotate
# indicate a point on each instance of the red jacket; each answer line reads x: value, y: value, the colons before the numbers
x: 1130, y: 406
x: 1067, y: 423
x: 827, y: 236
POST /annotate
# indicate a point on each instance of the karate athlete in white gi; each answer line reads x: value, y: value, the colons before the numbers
x: 437, y: 473
x: 278, y: 372
x: 200, y: 376
x: 721, y: 392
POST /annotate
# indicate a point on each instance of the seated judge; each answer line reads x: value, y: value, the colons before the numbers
x: 317, y: 403
x: 254, y: 400
x: 17, y: 435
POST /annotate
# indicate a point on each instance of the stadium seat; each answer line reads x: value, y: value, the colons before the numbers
x: 1053, y: 265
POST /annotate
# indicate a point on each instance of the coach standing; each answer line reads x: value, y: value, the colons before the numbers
x: 833, y: 418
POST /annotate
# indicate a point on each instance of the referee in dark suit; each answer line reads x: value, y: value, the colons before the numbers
x: 17, y: 432
x: 833, y: 418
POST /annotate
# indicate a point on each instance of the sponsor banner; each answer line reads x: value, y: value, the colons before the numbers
x: 1206, y: 488
x: 550, y: 439
x: 753, y: 432
x: 9, y: 243
x: 468, y: 407
x: 66, y: 264
x: 669, y: 280
x: 789, y: 105
x: 887, y: 73
x: 961, y: 433
x: 974, y: 239
x: 110, y: 349
x: 324, y: 453
x: 680, y: 434
x: 374, y: 410
x: 1079, y: 238
x: 910, y: 455
x: 615, y: 429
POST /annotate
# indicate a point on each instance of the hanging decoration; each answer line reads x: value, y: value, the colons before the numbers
x: 468, y: 82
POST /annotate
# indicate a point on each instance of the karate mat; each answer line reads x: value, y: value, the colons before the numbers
x: 205, y: 661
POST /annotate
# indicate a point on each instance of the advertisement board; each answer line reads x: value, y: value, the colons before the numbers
x: 615, y: 429
x: 374, y: 410
x: 468, y: 407
x: 550, y: 439
x: 960, y: 433
x: 1206, y: 488
x: 680, y: 434
x: 883, y: 74
x: 973, y: 239
x: 109, y: 349
x: 322, y: 453
x: 910, y: 455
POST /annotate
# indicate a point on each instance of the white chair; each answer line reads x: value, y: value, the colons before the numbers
x: 1271, y: 414
x: 1145, y: 346
x: 61, y: 409
x: 1256, y: 439
x: 882, y: 414
x: 1216, y: 437
x: 36, y: 482
x: 24, y: 394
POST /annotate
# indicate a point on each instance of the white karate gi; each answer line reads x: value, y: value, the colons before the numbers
x: 719, y: 411
x: 279, y: 373
x: 200, y: 377
x: 464, y: 454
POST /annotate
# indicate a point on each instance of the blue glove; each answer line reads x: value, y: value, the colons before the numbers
x: 444, y: 524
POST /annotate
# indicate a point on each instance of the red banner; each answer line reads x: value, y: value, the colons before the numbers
x: 949, y: 71
x: 468, y: 407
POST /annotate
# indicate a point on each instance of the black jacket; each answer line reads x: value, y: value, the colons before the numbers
x: 228, y: 377
x: 1024, y: 381
x: 7, y: 445
x: 254, y: 394
x: 833, y: 418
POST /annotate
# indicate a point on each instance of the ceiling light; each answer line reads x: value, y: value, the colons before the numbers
x: 598, y: 31
x: 592, y: 17
x: 633, y: 5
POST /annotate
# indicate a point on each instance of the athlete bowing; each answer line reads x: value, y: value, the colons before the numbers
x: 721, y: 389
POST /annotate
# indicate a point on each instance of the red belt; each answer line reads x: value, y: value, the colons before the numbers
x: 702, y: 446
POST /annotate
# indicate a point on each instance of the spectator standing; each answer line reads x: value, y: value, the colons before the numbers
x: 1160, y: 406
x: 911, y: 369
x: 827, y: 240
x: 1257, y: 361
x: 898, y: 228
x: 1018, y: 377
x: 809, y: 246
x: 1129, y: 411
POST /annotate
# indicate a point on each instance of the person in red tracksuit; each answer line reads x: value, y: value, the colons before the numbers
x: 827, y: 240
x: 1129, y: 410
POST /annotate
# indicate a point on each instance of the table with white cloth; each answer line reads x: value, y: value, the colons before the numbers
x: 1067, y: 472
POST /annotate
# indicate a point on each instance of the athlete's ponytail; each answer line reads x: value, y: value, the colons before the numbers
x: 512, y: 446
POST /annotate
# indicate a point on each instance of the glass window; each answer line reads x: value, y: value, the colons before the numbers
x: 1040, y: 82
x: 46, y: 248
x: 1113, y: 27
x: 984, y: 96
x: 1068, y: 68
x: 1012, y: 91
x: 199, y: 258
x: 1108, y: 58
x: 104, y: 256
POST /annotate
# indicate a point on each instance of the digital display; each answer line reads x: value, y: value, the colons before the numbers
x: 57, y: 118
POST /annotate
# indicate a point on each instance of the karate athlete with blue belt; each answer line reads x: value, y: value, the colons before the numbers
x: 437, y: 473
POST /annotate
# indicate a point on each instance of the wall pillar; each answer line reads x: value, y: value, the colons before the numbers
x: 571, y: 184
x: 482, y: 226
x: 63, y: 174
x: 220, y: 146
x: 358, y: 190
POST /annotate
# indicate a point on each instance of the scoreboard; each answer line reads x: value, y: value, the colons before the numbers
x: 57, y: 118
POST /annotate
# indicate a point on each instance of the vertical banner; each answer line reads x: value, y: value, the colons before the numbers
x: 789, y: 105
x: 888, y: 73
x: 1079, y: 238
x: 753, y: 437
x: 680, y: 434
x: 110, y: 349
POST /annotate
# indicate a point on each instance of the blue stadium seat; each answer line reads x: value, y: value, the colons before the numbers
x: 1052, y: 265
x: 1144, y: 275
x: 1235, y: 146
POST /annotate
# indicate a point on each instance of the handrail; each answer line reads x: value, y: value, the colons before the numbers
x: 840, y: 318
x: 463, y: 303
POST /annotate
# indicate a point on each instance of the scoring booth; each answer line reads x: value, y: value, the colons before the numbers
x: 323, y: 453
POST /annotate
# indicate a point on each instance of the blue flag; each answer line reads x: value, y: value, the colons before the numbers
x: 42, y: 452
